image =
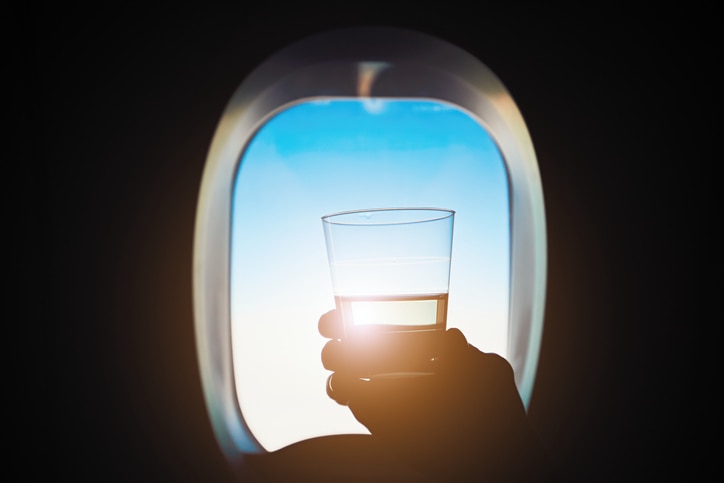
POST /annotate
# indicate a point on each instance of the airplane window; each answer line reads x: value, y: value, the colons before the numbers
x: 360, y: 118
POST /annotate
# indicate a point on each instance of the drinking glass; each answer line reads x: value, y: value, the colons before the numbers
x: 390, y: 270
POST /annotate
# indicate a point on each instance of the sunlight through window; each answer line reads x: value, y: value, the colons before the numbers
x: 333, y: 155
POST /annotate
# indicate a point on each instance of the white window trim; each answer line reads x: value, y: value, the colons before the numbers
x: 345, y: 64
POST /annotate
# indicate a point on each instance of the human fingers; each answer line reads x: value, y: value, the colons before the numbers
x: 343, y: 387
x: 364, y: 354
x: 330, y: 325
x: 333, y: 355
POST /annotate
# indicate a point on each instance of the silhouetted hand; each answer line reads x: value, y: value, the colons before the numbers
x: 464, y: 421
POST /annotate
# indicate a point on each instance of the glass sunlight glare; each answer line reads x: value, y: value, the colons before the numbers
x: 383, y: 312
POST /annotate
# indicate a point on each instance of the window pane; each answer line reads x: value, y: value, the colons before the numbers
x: 321, y: 157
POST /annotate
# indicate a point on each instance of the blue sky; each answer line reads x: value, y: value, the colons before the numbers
x: 321, y: 157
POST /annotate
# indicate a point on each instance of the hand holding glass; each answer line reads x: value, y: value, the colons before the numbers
x: 390, y: 269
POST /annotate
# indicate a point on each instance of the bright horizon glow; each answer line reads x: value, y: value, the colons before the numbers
x: 323, y: 157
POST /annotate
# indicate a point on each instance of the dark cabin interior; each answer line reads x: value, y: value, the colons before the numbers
x: 127, y: 100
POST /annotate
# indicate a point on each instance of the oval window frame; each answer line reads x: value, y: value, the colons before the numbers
x: 360, y: 62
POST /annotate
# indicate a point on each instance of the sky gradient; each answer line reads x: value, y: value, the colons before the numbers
x: 321, y: 157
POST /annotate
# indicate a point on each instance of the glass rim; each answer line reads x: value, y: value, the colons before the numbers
x: 338, y: 217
